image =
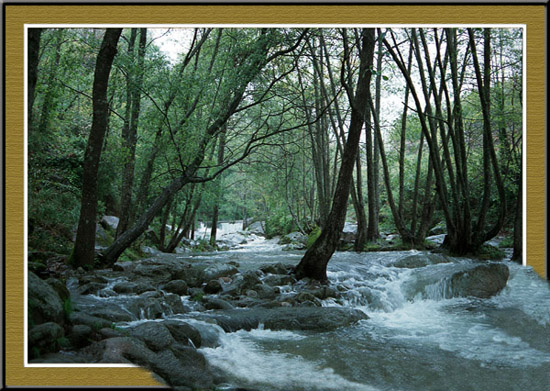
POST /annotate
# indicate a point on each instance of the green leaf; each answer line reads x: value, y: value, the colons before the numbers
x: 385, y: 77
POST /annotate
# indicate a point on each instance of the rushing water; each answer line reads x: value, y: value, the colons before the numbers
x: 414, y: 340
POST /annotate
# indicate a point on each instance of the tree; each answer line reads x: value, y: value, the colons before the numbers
x: 33, y: 52
x: 250, y: 62
x: 129, y: 131
x: 83, y: 253
x: 315, y: 260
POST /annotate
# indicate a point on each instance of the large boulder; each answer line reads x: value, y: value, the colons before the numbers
x: 155, y: 335
x: 482, y: 281
x: 44, y: 303
x: 184, y: 333
x: 109, y: 222
x: 294, y: 238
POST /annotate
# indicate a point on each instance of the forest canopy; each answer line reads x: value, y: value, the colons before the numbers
x: 397, y: 130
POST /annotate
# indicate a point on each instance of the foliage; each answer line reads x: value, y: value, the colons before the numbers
x: 312, y: 237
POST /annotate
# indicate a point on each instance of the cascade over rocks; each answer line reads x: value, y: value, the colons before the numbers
x: 482, y: 281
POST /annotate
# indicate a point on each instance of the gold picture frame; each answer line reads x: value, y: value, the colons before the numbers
x: 16, y: 16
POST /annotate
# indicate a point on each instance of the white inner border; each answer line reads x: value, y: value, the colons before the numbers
x: 182, y: 26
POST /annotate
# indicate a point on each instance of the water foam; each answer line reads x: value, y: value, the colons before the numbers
x: 246, y: 363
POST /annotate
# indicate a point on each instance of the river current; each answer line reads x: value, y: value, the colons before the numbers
x: 415, y: 339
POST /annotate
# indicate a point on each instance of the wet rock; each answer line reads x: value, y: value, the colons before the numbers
x: 179, y: 287
x: 218, y: 270
x: 125, y: 350
x: 421, y: 260
x: 214, y: 303
x: 184, y: 333
x: 307, y: 298
x: 266, y: 292
x: 155, y: 335
x: 110, y: 312
x: 94, y: 322
x: 278, y: 280
x: 213, y: 286
x: 287, y: 318
x: 112, y: 333
x: 294, y: 238
x: 91, y: 288
x: 172, y: 304
x: 80, y: 335
x: 129, y: 287
x: 250, y: 280
x: 275, y: 268
x: 124, y: 266
x: 183, y: 366
x: 44, y: 303
x: 482, y: 281
x: 148, y: 305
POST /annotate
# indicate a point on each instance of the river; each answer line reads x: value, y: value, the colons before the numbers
x: 416, y: 338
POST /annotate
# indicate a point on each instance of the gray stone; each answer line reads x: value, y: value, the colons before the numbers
x: 44, y: 303
x: 110, y: 312
x: 275, y: 268
x: 218, y: 270
x: 287, y: 318
x: 138, y: 287
x: 155, y: 335
x: 94, y: 322
x: 213, y: 286
x: 183, y: 366
x: 420, y: 260
x: 179, y: 287
x: 214, y: 303
x: 172, y: 304
x: 482, y: 281
x: 184, y: 333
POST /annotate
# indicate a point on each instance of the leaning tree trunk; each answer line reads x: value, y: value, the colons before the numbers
x: 83, y: 253
x: 314, y: 263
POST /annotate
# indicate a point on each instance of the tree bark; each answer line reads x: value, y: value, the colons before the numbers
x: 218, y: 189
x: 316, y: 258
x: 32, y: 58
x: 83, y: 252
x: 130, y: 138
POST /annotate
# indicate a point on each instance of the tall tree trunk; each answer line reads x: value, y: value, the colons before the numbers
x: 314, y: 263
x: 130, y: 138
x: 83, y: 252
x: 218, y: 190
x: 32, y: 58
x: 50, y: 92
